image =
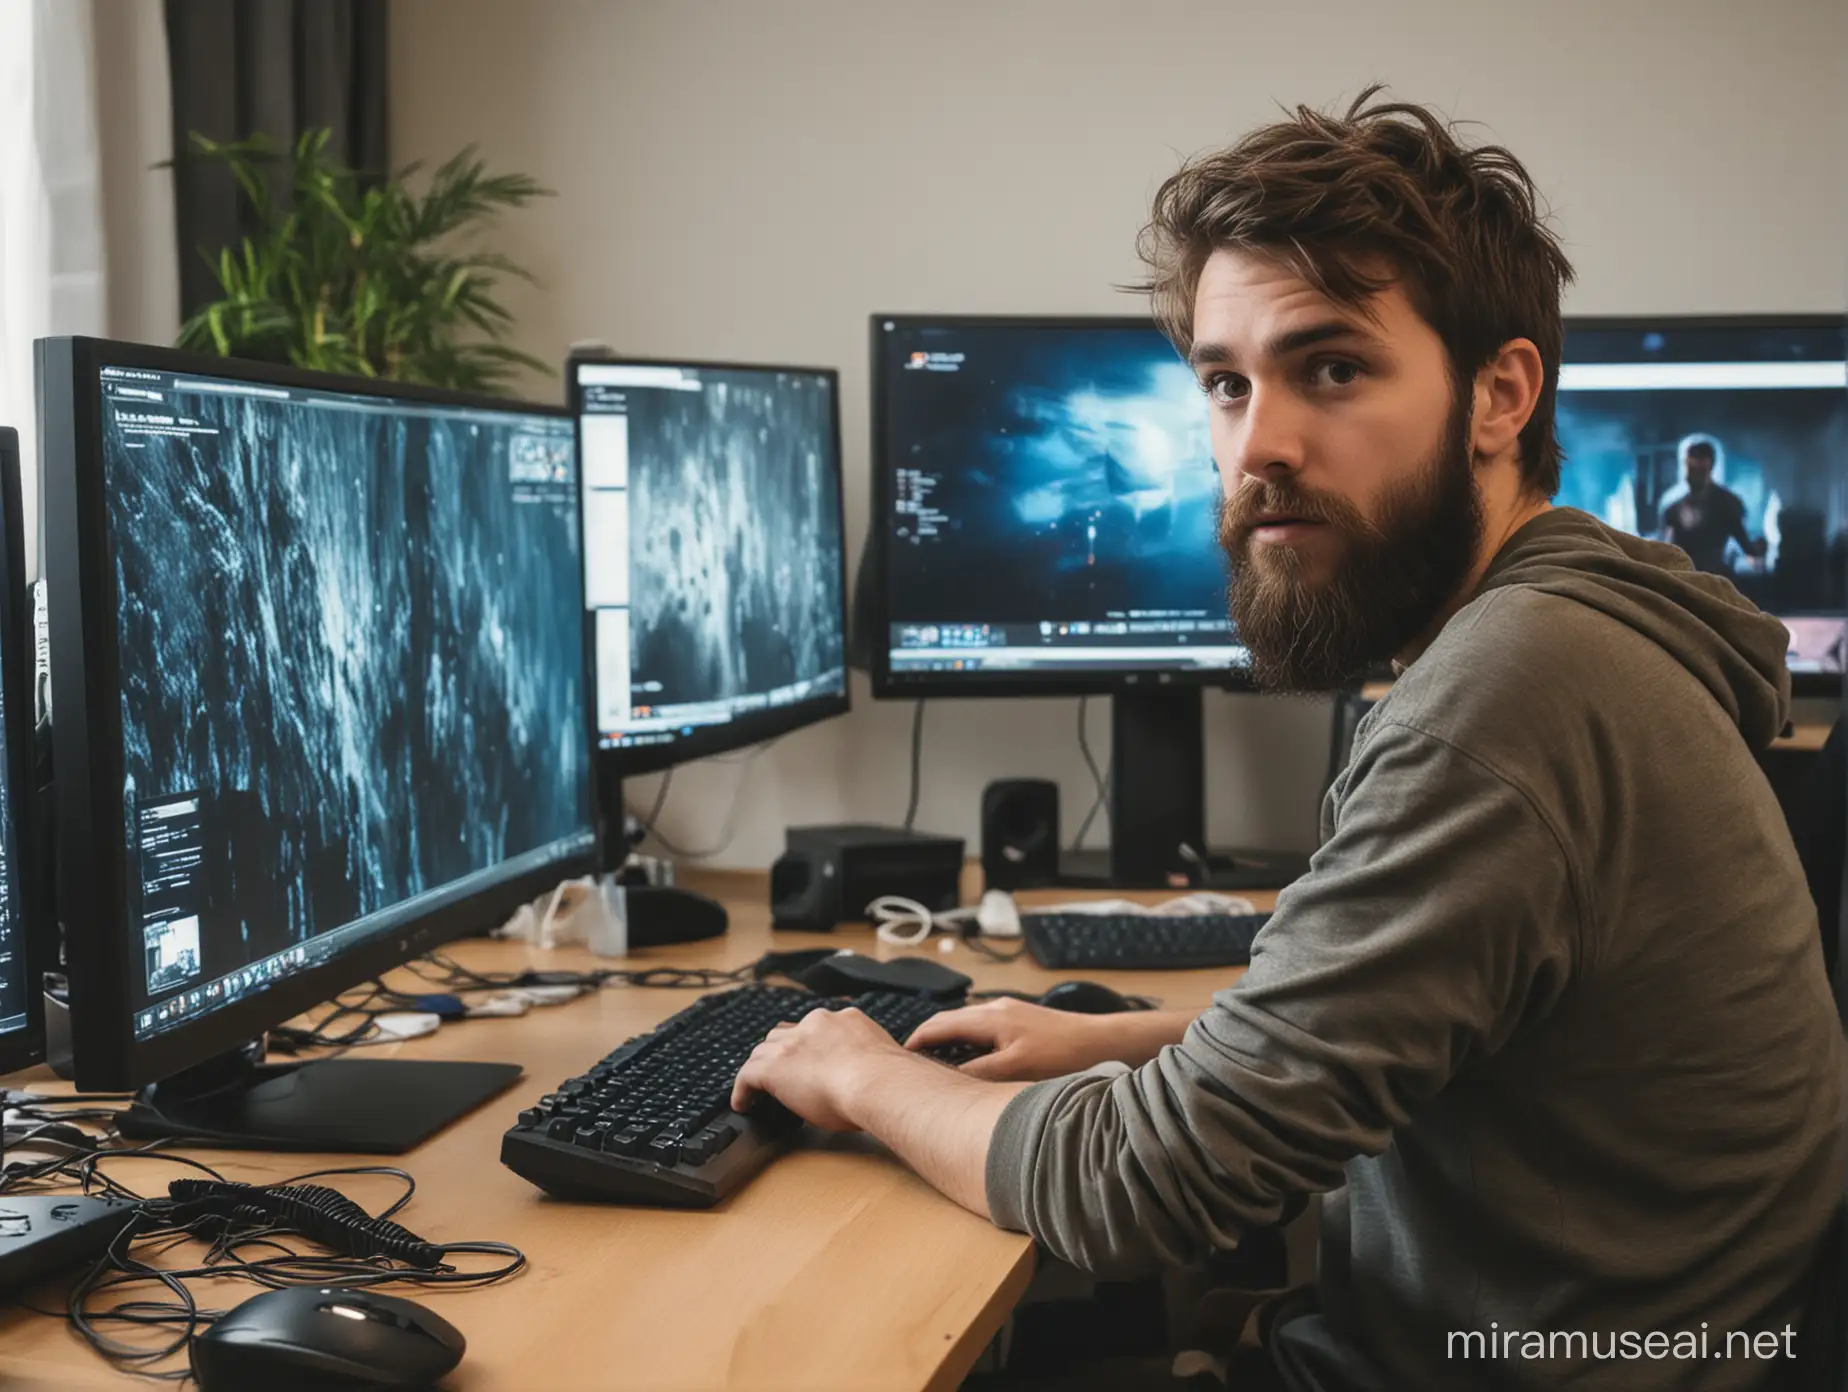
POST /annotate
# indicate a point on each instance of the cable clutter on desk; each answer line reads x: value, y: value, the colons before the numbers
x: 298, y: 1232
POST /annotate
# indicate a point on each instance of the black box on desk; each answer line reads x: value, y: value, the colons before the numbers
x: 829, y: 874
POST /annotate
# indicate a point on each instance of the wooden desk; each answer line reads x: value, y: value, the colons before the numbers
x: 835, y: 1267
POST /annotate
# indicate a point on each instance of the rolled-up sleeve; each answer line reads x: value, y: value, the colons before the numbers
x: 1441, y: 913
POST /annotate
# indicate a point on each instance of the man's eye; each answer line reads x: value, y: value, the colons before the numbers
x: 1225, y: 388
x: 1335, y: 372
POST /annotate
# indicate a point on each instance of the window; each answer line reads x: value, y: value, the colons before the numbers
x: 51, y: 261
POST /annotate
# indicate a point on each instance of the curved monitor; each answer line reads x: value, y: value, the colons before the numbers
x: 318, y: 663
x: 22, y: 905
x: 1729, y: 438
x: 1045, y: 511
x: 714, y: 561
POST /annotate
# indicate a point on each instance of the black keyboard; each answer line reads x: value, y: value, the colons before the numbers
x: 652, y: 1122
x: 1145, y: 942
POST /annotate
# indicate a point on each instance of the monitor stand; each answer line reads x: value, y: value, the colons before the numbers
x: 1158, y: 806
x: 379, y: 1106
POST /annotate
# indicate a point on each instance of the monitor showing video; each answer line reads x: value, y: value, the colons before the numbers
x: 1728, y: 439
x: 1049, y: 503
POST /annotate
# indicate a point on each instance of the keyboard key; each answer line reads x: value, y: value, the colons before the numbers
x: 665, y: 1149
x: 628, y: 1141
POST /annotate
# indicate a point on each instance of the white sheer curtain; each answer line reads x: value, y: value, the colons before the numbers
x: 51, y: 233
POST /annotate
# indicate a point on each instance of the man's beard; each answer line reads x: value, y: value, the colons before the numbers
x: 1390, y: 581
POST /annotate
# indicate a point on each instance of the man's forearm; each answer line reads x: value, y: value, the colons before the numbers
x: 936, y: 1120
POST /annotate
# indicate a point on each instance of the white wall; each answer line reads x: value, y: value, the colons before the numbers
x: 751, y: 180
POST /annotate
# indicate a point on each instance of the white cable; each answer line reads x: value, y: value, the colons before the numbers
x: 906, y: 923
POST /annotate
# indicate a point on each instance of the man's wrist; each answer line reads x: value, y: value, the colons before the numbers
x: 880, y: 1076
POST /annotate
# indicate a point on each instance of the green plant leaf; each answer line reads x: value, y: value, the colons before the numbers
x: 363, y: 275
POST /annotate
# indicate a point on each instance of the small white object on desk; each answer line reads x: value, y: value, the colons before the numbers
x: 406, y: 1024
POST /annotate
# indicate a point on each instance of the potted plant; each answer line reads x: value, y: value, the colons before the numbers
x: 367, y: 276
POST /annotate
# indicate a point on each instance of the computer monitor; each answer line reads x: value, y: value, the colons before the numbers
x: 1045, y: 508
x: 317, y: 658
x: 714, y: 568
x: 1728, y: 437
x: 23, y: 917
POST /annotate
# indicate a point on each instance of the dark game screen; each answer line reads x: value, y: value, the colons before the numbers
x: 351, y: 660
x: 1763, y: 416
x: 1073, y: 473
x: 1054, y: 489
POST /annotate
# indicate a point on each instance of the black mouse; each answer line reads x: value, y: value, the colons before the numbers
x: 324, y: 1337
x: 1085, y: 998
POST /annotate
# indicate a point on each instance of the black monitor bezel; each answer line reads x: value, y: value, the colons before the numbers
x: 632, y: 761
x: 87, y: 738
x: 1641, y: 323
x: 1804, y: 684
x: 22, y: 1047
x: 890, y: 685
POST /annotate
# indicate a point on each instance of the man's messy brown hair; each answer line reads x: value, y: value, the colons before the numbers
x: 1384, y: 194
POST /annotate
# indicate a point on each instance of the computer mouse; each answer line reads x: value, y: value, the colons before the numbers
x: 322, y: 1336
x: 1085, y: 998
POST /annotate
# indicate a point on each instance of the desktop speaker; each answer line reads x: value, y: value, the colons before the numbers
x: 829, y: 874
x: 1020, y: 833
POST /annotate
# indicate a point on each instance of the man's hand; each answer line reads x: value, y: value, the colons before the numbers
x: 1032, y: 1042
x: 814, y: 1066
x: 841, y: 1071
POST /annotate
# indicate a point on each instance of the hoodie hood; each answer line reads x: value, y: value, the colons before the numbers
x: 1735, y: 649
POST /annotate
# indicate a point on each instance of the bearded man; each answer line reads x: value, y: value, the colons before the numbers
x: 1549, y: 1007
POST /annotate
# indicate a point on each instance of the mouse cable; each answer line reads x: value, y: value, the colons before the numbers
x: 975, y: 943
x: 81, y: 1166
x: 381, y: 999
x: 456, y: 977
x: 251, y: 1246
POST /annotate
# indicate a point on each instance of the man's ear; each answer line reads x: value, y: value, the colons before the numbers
x: 1507, y: 389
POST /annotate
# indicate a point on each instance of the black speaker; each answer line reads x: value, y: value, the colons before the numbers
x: 1020, y: 833
x: 829, y: 874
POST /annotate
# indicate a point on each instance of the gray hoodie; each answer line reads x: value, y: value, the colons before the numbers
x: 1549, y: 1003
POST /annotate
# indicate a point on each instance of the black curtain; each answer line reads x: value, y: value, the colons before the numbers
x: 276, y: 67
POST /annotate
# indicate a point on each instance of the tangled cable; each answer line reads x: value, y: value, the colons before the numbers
x: 252, y: 1232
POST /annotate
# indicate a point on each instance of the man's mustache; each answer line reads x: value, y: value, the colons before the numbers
x: 1240, y: 512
